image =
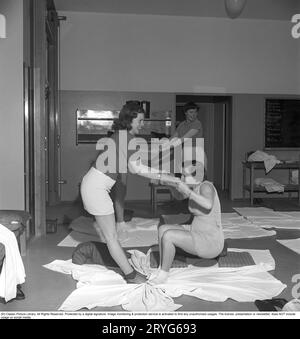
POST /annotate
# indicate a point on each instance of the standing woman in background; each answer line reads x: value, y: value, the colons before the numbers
x: 191, y: 127
x: 189, y: 130
x: 98, y: 182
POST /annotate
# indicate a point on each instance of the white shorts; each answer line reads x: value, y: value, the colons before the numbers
x: 95, y: 188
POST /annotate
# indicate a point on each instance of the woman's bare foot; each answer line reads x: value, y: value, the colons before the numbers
x: 135, y: 278
x: 160, y: 278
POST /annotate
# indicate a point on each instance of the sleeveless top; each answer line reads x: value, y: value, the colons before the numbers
x: 206, y: 222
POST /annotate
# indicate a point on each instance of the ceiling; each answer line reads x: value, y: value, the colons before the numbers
x: 255, y: 9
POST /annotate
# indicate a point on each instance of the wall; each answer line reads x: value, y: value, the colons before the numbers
x: 177, y: 54
x: 76, y: 160
x: 110, y: 52
x: 247, y: 134
x: 11, y: 108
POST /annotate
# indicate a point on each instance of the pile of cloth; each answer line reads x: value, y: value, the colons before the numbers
x: 12, y: 273
x: 270, y: 185
x: 266, y: 218
x: 269, y: 160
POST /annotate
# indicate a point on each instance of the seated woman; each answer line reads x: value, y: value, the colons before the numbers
x: 204, y: 237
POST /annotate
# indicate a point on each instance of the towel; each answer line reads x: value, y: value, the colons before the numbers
x: 252, y: 213
x: 13, y: 272
x: 287, y: 224
x: 100, y: 287
x: 269, y: 160
x: 270, y: 185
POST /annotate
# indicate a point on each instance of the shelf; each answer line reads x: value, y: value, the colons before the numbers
x: 259, y: 189
x: 260, y: 165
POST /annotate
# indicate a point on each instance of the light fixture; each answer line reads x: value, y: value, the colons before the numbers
x: 2, y: 26
x: 234, y: 7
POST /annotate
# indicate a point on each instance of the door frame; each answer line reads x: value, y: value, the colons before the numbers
x: 181, y: 98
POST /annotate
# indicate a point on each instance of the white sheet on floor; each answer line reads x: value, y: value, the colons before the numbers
x: 292, y: 244
x: 85, y: 225
x: 234, y: 226
x: 137, y: 238
x: 289, y: 224
x: 75, y: 238
x: 251, y: 213
x: 246, y: 231
x: 293, y: 214
x: 13, y: 272
x: 144, y: 238
x: 143, y: 232
x: 100, y: 287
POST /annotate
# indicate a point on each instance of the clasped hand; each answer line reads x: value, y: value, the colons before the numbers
x: 181, y: 187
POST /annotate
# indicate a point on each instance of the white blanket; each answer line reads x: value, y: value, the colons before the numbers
x: 292, y: 244
x: 270, y: 185
x: 288, y: 224
x: 252, y: 213
x: 143, y: 233
x: 100, y: 287
x: 13, y: 272
x: 269, y: 160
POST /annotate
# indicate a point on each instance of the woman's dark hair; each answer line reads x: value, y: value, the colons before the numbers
x: 128, y: 112
x: 190, y: 105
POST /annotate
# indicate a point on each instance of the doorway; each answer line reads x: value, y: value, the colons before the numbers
x: 215, y: 116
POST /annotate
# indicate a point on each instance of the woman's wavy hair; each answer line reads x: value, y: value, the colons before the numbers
x: 128, y: 112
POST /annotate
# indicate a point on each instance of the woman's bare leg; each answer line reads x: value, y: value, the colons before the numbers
x: 106, y: 223
x: 161, y: 230
x: 170, y: 239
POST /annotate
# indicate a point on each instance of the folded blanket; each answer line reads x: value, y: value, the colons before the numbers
x: 270, y: 185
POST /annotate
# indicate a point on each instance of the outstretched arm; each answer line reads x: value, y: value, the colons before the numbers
x: 151, y: 173
x: 204, y: 199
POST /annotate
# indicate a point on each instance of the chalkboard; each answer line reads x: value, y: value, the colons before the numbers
x: 282, y: 123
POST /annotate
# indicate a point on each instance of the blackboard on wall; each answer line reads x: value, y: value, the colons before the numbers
x: 282, y: 123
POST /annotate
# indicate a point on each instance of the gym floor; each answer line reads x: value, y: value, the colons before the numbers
x: 46, y: 290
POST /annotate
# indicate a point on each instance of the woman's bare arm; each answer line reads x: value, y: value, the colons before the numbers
x: 151, y: 173
x: 204, y: 199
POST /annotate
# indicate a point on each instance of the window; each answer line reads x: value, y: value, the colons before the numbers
x: 91, y: 125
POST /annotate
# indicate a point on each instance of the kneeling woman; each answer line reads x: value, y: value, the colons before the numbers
x: 98, y: 182
x: 204, y: 237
